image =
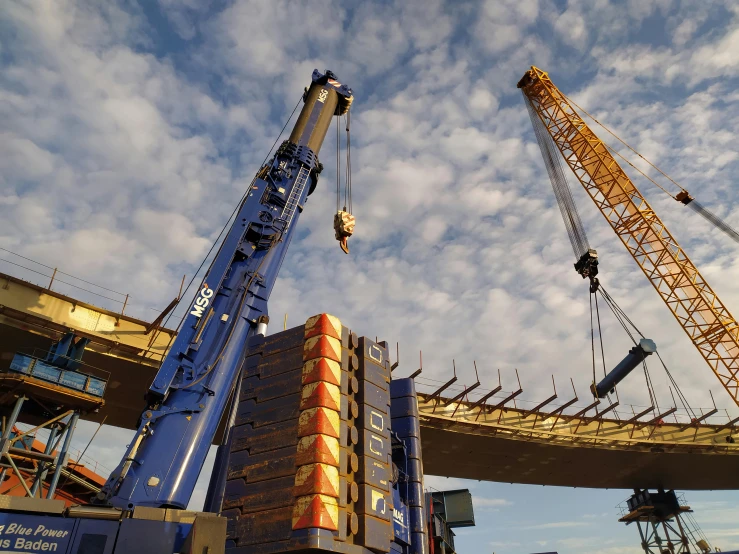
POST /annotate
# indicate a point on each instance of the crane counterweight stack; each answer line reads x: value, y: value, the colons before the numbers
x: 708, y: 323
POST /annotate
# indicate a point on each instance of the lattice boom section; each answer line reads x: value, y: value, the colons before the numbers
x: 704, y: 318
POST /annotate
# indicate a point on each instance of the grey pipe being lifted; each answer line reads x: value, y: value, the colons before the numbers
x: 635, y: 357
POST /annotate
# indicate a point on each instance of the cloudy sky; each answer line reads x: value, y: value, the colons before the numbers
x: 130, y: 130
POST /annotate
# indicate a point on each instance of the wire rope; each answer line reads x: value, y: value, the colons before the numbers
x: 338, y: 166
x: 689, y: 201
x: 600, y: 334
x: 348, y: 161
x: 560, y: 184
x: 614, y: 135
x: 592, y: 337
x: 623, y: 319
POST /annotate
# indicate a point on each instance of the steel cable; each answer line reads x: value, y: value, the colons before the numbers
x: 560, y: 184
x: 348, y: 161
x: 338, y: 166
x: 693, y: 204
x: 712, y: 218
x: 622, y: 318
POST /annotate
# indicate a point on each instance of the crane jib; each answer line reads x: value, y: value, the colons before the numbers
x: 698, y: 309
x: 190, y: 391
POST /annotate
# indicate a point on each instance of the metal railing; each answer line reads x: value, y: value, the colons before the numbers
x: 77, y: 457
x: 622, y: 412
x: 34, y: 363
x: 54, y: 279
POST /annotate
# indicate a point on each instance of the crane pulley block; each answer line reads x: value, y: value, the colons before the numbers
x: 344, y: 227
x: 587, y: 265
x: 684, y: 197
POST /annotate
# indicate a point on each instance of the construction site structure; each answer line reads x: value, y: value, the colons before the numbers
x: 575, y: 434
x: 665, y: 523
x: 319, y: 448
x: 79, y: 479
x: 51, y: 390
x: 325, y: 455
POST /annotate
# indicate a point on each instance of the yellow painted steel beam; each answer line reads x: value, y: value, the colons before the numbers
x: 44, y: 312
x: 705, y: 319
x: 31, y: 317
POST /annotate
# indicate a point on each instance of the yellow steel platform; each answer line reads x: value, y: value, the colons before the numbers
x: 32, y: 317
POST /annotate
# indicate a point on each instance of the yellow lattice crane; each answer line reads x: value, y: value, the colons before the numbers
x: 698, y: 309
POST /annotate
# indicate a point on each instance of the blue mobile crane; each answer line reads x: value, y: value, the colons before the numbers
x: 141, y: 508
x: 155, y: 479
x: 192, y: 388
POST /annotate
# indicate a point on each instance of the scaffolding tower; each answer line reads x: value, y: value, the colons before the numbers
x: 665, y: 523
x: 49, y: 390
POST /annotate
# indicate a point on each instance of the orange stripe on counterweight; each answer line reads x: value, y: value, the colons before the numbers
x: 316, y: 511
x: 317, y: 479
x: 322, y: 369
x: 318, y: 421
x: 318, y: 449
x: 322, y: 346
x: 323, y: 324
x: 320, y: 395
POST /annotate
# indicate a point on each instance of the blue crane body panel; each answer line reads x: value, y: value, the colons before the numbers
x: 65, y: 535
x: 41, y: 525
x: 32, y: 533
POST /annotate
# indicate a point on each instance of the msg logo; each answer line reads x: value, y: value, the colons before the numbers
x: 202, y: 301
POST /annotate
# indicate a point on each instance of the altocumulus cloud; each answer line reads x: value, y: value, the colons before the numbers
x: 131, y: 130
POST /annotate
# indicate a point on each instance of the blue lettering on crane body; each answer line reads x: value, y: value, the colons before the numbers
x: 24, y: 533
x: 401, y: 527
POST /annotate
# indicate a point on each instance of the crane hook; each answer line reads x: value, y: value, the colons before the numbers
x: 344, y: 227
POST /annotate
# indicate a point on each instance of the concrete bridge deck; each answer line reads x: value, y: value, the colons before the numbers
x: 517, y: 446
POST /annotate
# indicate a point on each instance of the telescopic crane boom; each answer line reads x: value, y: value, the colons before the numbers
x: 195, y: 381
x: 698, y: 309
